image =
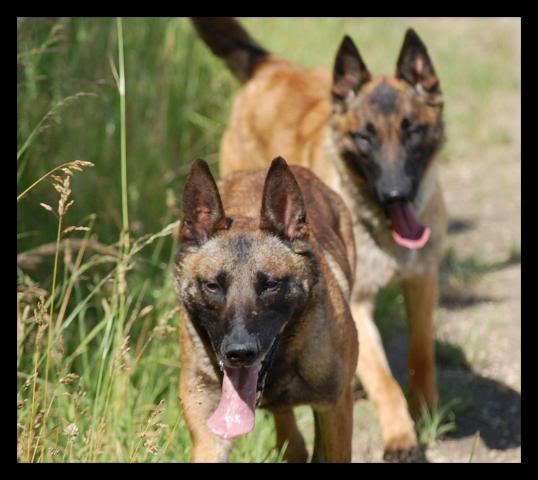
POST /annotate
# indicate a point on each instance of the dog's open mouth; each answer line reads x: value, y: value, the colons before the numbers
x: 242, y: 389
x: 407, y: 231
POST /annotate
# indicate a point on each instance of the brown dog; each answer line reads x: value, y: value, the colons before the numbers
x: 264, y: 278
x: 374, y: 141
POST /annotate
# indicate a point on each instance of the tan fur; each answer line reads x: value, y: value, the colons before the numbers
x: 291, y: 120
x: 286, y: 110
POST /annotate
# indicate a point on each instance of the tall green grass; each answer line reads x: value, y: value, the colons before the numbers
x: 97, y: 347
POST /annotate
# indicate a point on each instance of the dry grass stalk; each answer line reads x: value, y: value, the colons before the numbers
x: 31, y: 259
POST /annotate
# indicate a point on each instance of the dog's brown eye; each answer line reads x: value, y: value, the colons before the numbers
x: 365, y: 136
x: 271, y: 284
x: 362, y: 139
x: 212, y: 287
x: 267, y: 285
x: 362, y: 136
x: 411, y: 132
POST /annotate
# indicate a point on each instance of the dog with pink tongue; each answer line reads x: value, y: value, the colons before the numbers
x: 264, y: 273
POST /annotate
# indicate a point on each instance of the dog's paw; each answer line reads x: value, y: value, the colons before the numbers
x: 406, y: 455
x: 402, y: 447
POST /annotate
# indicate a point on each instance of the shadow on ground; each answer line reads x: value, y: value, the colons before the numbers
x: 460, y: 225
x: 456, y: 280
x: 479, y: 404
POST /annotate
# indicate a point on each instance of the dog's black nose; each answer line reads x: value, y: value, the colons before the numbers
x: 241, y: 354
x: 392, y: 196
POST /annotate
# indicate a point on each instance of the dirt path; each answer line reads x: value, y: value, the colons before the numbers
x: 486, y: 323
x: 478, y: 320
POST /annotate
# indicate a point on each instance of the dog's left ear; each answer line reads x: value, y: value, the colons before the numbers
x: 203, y: 214
x: 350, y: 72
x: 283, y: 211
x: 416, y: 68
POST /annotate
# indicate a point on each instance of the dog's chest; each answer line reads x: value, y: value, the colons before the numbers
x: 378, y: 258
x: 290, y: 384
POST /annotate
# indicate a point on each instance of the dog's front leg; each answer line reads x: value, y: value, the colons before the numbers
x: 333, y: 430
x: 287, y: 432
x: 198, y: 405
x: 420, y: 293
x: 399, y: 438
x: 199, y: 393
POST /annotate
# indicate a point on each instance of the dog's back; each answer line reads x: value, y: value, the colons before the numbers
x: 284, y: 108
x: 281, y: 108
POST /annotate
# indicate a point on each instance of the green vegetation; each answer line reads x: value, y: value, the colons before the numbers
x: 433, y: 425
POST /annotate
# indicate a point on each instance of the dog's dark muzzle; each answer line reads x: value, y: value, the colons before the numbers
x: 267, y: 363
x: 240, y: 354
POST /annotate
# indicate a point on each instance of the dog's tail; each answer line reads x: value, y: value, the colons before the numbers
x: 230, y: 41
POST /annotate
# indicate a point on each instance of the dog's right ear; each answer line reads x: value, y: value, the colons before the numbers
x: 416, y: 68
x: 283, y: 211
x: 203, y: 214
x: 350, y: 72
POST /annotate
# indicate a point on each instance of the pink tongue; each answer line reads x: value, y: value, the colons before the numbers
x: 407, y: 231
x: 235, y: 413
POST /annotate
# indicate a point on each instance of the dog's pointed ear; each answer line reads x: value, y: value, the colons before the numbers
x: 203, y: 214
x: 416, y: 68
x: 283, y: 211
x: 350, y: 72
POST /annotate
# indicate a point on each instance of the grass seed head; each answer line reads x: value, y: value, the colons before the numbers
x: 71, y: 431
